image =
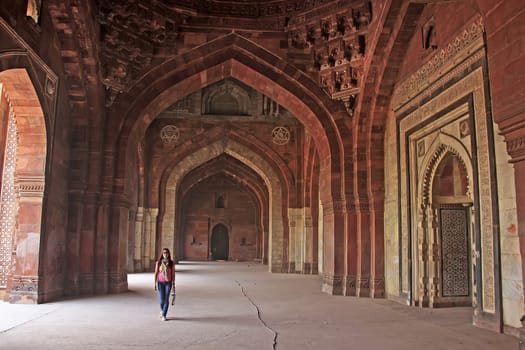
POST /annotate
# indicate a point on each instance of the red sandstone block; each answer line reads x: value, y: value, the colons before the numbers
x: 511, y: 34
x: 504, y: 12
x: 510, y: 53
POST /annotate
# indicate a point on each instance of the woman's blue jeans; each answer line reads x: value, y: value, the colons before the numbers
x: 164, y: 289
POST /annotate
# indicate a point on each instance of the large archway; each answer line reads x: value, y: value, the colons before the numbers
x: 254, y: 161
x: 24, y: 149
x: 233, y: 58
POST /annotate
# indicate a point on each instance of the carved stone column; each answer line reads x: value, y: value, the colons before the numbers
x: 297, y: 240
x: 350, y: 278
x: 101, y: 246
x: 377, y: 253
x: 363, y: 250
x: 24, y: 281
x: 334, y: 224
x: 118, y: 246
x: 516, y: 148
x: 291, y: 241
x: 424, y: 224
x: 139, y: 241
x: 434, y: 255
x: 87, y: 245
x: 150, y: 233
x: 308, y: 242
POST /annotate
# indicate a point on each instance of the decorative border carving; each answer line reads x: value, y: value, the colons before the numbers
x: 169, y: 134
x: 280, y: 135
x: 473, y: 84
x: 30, y: 186
x: 24, y: 285
x: 464, y: 44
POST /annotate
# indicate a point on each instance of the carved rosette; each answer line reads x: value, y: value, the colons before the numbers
x: 280, y: 135
x: 169, y: 134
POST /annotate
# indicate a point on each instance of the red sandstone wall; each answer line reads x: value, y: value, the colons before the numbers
x: 200, y: 216
x: 447, y: 27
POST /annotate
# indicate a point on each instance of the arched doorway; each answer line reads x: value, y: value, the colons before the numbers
x: 452, y: 203
x: 219, y: 243
x: 444, y: 270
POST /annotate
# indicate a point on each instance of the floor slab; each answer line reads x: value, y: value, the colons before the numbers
x: 234, y: 305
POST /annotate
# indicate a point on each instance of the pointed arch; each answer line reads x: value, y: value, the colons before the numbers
x: 442, y: 145
x: 23, y: 182
x: 252, y: 160
x: 232, y: 56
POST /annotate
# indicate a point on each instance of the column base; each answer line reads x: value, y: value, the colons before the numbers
x: 332, y: 284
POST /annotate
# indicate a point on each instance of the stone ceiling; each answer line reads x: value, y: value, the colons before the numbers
x: 326, y: 39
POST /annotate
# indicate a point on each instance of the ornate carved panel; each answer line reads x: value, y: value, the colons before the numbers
x: 454, y: 252
x: 132, y: 31
x: 336, y: 44
x: 8, y: 202
x: 425, y: 104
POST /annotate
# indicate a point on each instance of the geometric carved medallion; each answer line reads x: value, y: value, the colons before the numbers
x: 169, y: 134
x: 280, y: 135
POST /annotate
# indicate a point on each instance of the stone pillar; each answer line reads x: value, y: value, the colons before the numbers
x: 118, y: 247
x: 515, y: 139
x: 308, y: 242
x: 292, y: 246
x: 296, y: 250
x: 150, y: 225
x: 334, y: 225
x: 363, y: 250
x: 24, y: 281
x: 139, y: 240
x: 377, y: 254
x: 87, y: 245
x: 72, y: 265
x: 101, y: 246
x: 422, y: 258
x: 519, y: 169
x: 434, y: 257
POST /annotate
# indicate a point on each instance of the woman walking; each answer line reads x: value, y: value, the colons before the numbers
x: 164, y: 280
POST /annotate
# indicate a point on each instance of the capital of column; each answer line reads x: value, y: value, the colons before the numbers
x: 516, y: 148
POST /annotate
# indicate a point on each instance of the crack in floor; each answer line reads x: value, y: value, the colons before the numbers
x: 275, y: 334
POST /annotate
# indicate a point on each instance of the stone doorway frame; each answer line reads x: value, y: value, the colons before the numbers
x: 212, y: 233
x: 427, y: 244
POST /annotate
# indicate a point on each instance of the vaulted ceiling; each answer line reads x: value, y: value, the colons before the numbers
x: 327, y: 40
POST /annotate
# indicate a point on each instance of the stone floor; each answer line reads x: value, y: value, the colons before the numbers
x: 227, y: 305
